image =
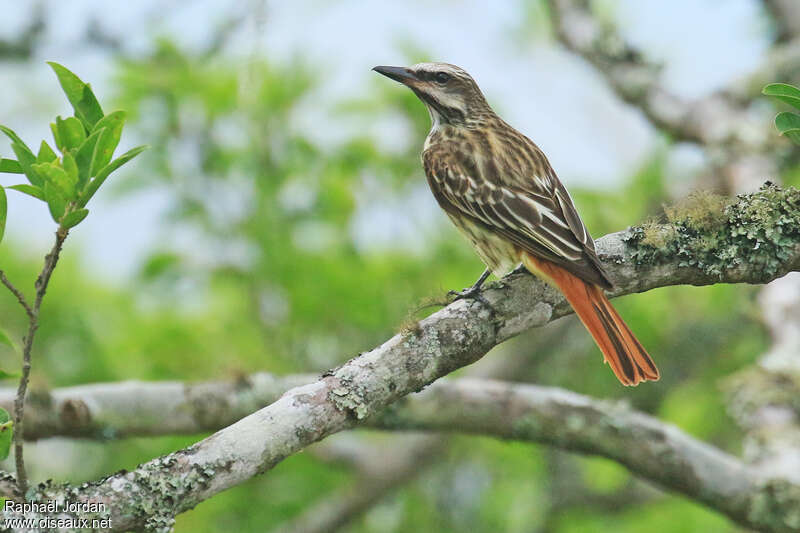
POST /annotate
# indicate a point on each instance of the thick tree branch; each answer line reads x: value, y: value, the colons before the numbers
x: 754, y: 240
x: 656, y: 451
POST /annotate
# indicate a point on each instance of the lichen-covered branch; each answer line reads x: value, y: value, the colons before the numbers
x: 754, y: 239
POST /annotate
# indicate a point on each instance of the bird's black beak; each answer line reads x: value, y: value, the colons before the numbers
x: 401, y: 74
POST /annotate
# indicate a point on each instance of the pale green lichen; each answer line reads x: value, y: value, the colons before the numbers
x: 657, y: 235
x: 348, y: 398
x: 712, y: 233
x: 162, y: 496
x: 699, y: 211
x: 153, y: 493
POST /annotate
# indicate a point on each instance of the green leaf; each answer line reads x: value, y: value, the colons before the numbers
x: 73, y: 218
x: 26, y: 160
x: 55, y: 201
x: 109, y: 139
x: 71, y: 133
x: 70, y: 167
x: 3, y: 213
x: 784, y: 92
x: 46, y: 154
x: 104, y: 173
x: 10, y: 166
x: 30, y: 190
x: 83, y: 158
x: 14, y: 137
x: 56, y: 136
x: 793, y: 135
x: 57, y: 176
x: 788, y: 124
x: 79, y: 94
x: 6, y: 431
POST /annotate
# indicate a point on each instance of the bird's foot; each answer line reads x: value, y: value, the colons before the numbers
x: 473, y: 293
x: 470, y: 293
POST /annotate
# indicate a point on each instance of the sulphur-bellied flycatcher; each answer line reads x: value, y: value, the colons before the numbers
x: 500, y: 191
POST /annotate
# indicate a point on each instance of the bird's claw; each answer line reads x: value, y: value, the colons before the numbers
x: 470, y: 293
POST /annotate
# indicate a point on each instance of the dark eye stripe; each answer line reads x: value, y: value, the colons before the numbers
x: 441, y: 77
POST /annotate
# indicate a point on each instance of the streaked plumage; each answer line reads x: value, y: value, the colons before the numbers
x: 500, y: 191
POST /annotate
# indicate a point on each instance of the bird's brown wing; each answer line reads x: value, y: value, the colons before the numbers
x: 540, y: 218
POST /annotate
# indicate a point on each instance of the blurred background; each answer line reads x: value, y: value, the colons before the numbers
x: 281, y: 222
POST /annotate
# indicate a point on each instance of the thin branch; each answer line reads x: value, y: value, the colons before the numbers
x: 739, y: 142
x: 16, y: 292
x: 42, y: 281
x: 755, y: 240
x: 786, y: 17
x: 715, y: 119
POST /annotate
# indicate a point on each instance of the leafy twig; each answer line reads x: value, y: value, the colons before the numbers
x: 87, y: 142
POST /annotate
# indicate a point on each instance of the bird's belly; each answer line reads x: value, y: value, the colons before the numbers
x: 496, y: 253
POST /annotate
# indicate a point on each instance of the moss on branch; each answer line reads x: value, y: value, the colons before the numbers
x: 715, y: 234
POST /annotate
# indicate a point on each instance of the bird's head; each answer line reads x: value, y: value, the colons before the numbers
x: 451, y: 95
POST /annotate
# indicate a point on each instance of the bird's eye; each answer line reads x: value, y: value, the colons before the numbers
x: 442, y: 77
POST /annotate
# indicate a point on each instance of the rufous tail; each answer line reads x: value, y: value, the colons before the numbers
x: 623, y: 352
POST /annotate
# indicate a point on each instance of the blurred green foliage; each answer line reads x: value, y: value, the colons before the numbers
x: 272, y: 278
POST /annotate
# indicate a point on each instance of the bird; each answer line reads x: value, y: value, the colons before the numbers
x: 501, y: 192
